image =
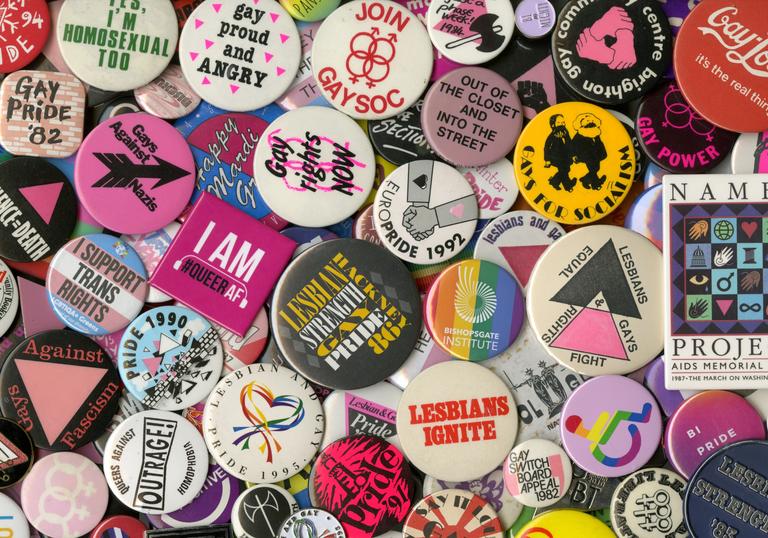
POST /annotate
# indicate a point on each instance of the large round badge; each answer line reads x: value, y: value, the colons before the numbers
x: 15, y: 523
x: 648, y: 504
x: 117, y: 47
x: 453, y: 512
x: 372, y: 59
x: 314, y: 166
x: 311, y: 522
x: 9, y: 298
x: 574, y: 163
x: 366, y: 483
x: 239, y: 56
x: 457, y: 412
x: 17, y: 451
x: 61, y: 387
x: 26, y: 26
x: 260, y: 511
x: 537, y: 473
x: 170, y: 358
x: 96, y: 284
x: 612, y: 51
x: 611, y: 426
x: 425, y: 212
x: 155, y: 462
x: 346, y: 314
x: 595, y: 300
x: 263, y: 423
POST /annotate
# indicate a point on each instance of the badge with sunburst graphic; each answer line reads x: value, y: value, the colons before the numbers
x: 475, y: 310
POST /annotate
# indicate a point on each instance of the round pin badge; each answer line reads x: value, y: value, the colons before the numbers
x: 311, y: 522
x: 424, y: 354
x: 705, y: 423
x: 649, y: 503
x: 314, y: 166
x: 240, y: 351
x: 372, y: 59
x: 260, y: 511
x: 494, y: 185
x: 565, y: 524
x: 15, y: 524
x: 457, y: 411
x: 644, y: 216
x: 471, y: 116
x: 537, y: 473
x: 151, y: 247
x: 676, y: 137
x: 310, y: 12
x: 716, y: 67
x: 119, y: 527
x: 376, y: 320
x: 26, y: 27
x: 400, y: 139
x: 169, y: 96
x: 610, y: 426
x: 750, y: 154
x: 453, y: 512
x: 134, y: 173
x: 470, y: 32
x: 349, y: 470
x: 9, y: 298
x: 574, y: 163
x: 238, y: 56
x: 725, y: 488
x: 157, y: 462
x: 535, y: 18
x: 611, y: 51
x: 263, y: 423
x: 425, y: 212
x: 595, y: 298
x: 64, y: 495
x: 170, y: 358
x: 96, y: 284
x: 669, y: 399
x: 474, y: 310
x: 121, y: 47
x: 304, y: 90
x: 39, y: 209
x: 61, y: 387
x: 17, y: 450
x: 516, y: 240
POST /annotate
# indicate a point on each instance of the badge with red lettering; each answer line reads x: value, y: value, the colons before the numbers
x: 366, y: 483
x: 96, y: 284
x: 675, y: 137
x: 314, y: 166
x: 25, y: 27
x: 211, y: 264
x: 453, y: 412
x: 455, y: 512
x: 372, y: 59
x: 134, y: 173
x: 721, y: 63
x: 537, y: 473
x: 240, y: 55
x: 61, y: 387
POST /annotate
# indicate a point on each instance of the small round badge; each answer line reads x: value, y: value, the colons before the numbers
x: 595, y: 299
x: 156, y: 462
x: 565, y: 524
x: 610, y: 426
x: 574, y: 163
x: 134, y: 173
x: 425, y: 212
x: 169, y: 96
x: 457, y: 412
x: 494, y: 185
x: 535, y: 18
x: 311, y: 522
x: 612, y: 51
x: 750, y: 154
x: 259, y: 511
x: 372, y: 59
x: 537, y: 473
x: 474, y: 310
x: 15, y: 523
x: 17, y: 450
x: 314, y: 166
x: 263, y: 423
x: 117, y: 48
x: 239, y: 56
x: 9, y: 298
x: 26, y: 26
x: 453, y: 512
x: 96, y: 284
x: 472, y: 116
x: 170, y: 358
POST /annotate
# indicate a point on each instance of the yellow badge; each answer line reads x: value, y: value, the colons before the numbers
x: 575, y: 163
x: 565, y: 524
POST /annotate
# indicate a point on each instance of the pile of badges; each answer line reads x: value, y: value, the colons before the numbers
x: 383, y: 268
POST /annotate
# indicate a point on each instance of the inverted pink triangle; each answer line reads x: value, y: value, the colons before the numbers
x: 280, y: 71
x: 274, y: 16
x: 57, y: 391
x: 198, y: 23
x: 217, y: 7
x: 208, y: 44
x: 194, y: 55
x: 283, y: 38
x: 268, y: 56
x: 152, y: 364
x: 233, y: 88
x: 724, y: 304
x: 522, y: 259
x: 43, y: 198
x: 592, y: 331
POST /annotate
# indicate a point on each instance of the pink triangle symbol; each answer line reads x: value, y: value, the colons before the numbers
x: 268, y: 56
x: 194, y: 55
x: 521, y: 259
x: 280, y: 71
x: 43, y: 198
x: 233, y: 88
x: 724, y: 304
x: 283, y: 38
x: 152, y: 364
x: 206, y: 81
x: 255, y: 2
x: 217, y: 7
x: 274, y: 16
x: 592, y: 331
x: 54, y: 406
x: 208, y: 44
x: 198, y: 23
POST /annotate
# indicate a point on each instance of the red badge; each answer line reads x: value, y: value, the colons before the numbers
x: 24, y: 28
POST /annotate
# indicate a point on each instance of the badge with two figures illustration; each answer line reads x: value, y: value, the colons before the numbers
x: 717, y: 310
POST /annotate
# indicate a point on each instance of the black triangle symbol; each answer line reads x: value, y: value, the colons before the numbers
x: 420, y: 181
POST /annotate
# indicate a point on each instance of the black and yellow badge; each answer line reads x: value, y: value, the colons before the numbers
x: 574, y: 163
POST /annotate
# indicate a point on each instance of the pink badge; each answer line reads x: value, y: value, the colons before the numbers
x: 212, y: 263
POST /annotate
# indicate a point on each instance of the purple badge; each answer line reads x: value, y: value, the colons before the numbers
x: 669, y: 400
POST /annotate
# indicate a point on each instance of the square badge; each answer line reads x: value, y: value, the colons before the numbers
x: 223, y: 263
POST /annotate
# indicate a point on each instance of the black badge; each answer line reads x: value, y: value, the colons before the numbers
x: 203, y: 531
x: 612, y: 51
x: 260, y: 511
x: 61, y: 387
x: 400, y: 139
x: 38, y: 209
x: 346, y: 314
x: 17, y: 453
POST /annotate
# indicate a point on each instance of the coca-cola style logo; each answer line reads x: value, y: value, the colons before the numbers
x: 745, y: 47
